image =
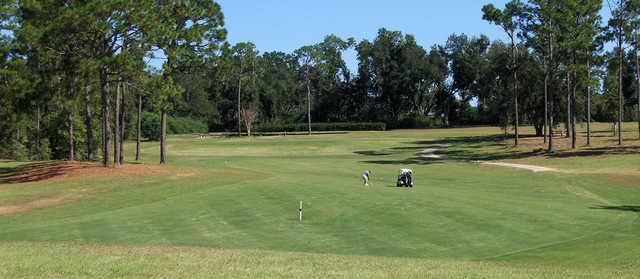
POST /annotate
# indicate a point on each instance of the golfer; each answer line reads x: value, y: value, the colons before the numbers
x: 365, y: 177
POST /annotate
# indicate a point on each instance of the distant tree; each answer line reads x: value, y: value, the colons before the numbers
x: 245, y: 55
x: 249, y: 116
x: 508, y: 19
x: 618, y: 29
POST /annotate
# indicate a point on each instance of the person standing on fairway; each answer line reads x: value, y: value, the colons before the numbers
x: 365, y: 177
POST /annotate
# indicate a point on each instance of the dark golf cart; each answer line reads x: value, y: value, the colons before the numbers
x: 405, y: 178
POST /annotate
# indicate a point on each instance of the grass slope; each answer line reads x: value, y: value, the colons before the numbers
x: 461, y: 220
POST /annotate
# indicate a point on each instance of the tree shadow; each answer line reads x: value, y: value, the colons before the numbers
x: 408, y: 161
x: 371, y: 153
x: 597, y: 151
x: 34, y: 172
x: 473, y: 148
x: 630, y: 208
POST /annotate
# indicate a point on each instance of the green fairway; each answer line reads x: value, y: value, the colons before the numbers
x: 236, y: 200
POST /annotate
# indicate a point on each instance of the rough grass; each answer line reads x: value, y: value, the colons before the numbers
x: 22, y: 260
x: 236, y: 198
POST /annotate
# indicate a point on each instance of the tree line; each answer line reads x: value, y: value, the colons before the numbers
x: 77, y: 77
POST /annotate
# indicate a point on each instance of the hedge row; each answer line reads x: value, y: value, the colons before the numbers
x: 175, y: 125
x: 321, y: 127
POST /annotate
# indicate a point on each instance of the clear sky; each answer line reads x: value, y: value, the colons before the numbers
x: 285, y: 25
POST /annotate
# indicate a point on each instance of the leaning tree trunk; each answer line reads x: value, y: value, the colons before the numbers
x: 138, y: 127
x: 122, y: 123
x: 88, y: 122
x: 163, y: 137
x: 106, y: 128
x: 116, y: 137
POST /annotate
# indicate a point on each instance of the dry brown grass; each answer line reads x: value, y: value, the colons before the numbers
x: 68, y: 170
x: 37, y: 204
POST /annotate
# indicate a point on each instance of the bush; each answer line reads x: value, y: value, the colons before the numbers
x: 186, y: 125
x: 150, y: 125
x: 322, y: 127
x: 176, y: 125
x: 417, y: 122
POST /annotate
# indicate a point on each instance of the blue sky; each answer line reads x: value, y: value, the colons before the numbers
x: 285, y: 25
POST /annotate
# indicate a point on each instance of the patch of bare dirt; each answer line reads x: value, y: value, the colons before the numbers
x: 66, y: 170
x: 37, y: 204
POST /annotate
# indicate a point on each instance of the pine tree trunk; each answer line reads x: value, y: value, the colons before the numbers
x: 551, y: 123
x: 122, y: 122
x: 309, y: 105
x: 138, y: 128
x: 106, y: 127
x: 70, y: 135
x: 620, y: 98
x: 116, y: 137
x: 239, y: 118
x: 546, y: 107
x: 573, y: 106
x: 517, y: 119
x: 588, y: 103
x: 88, y: 122
x: 638, y: 81
x: 38, y: 145
x: 163, y: 137
x: 573, y: 113
x: 567, y: 124
x: 550, y: 99
x: 515, y: 87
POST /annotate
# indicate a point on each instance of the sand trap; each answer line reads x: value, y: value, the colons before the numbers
x: 430, y: 152
x: 37, y: 204
x: 519, y: 166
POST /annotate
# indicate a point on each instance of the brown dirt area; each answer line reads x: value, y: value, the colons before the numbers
x: 600, y: 145
x: 66, y: 170
x: 36, y: 204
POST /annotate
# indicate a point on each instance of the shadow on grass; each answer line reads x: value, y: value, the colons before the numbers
x: 408, y: 161
x: 474, y: 148
x: 630, y: 208
x: 33, y: 172
x: 597, y: 151
x: 372, y: 153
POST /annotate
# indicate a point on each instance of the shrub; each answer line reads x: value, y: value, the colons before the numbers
x: 150, y: 125
x: 175, y: 125
x: 335, y: 126
x: 417, y: 122
x: 186, y: 125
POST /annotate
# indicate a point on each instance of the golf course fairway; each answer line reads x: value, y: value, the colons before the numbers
x: 227, y: 207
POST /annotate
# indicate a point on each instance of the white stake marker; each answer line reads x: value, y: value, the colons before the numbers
x: 300, y: 211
